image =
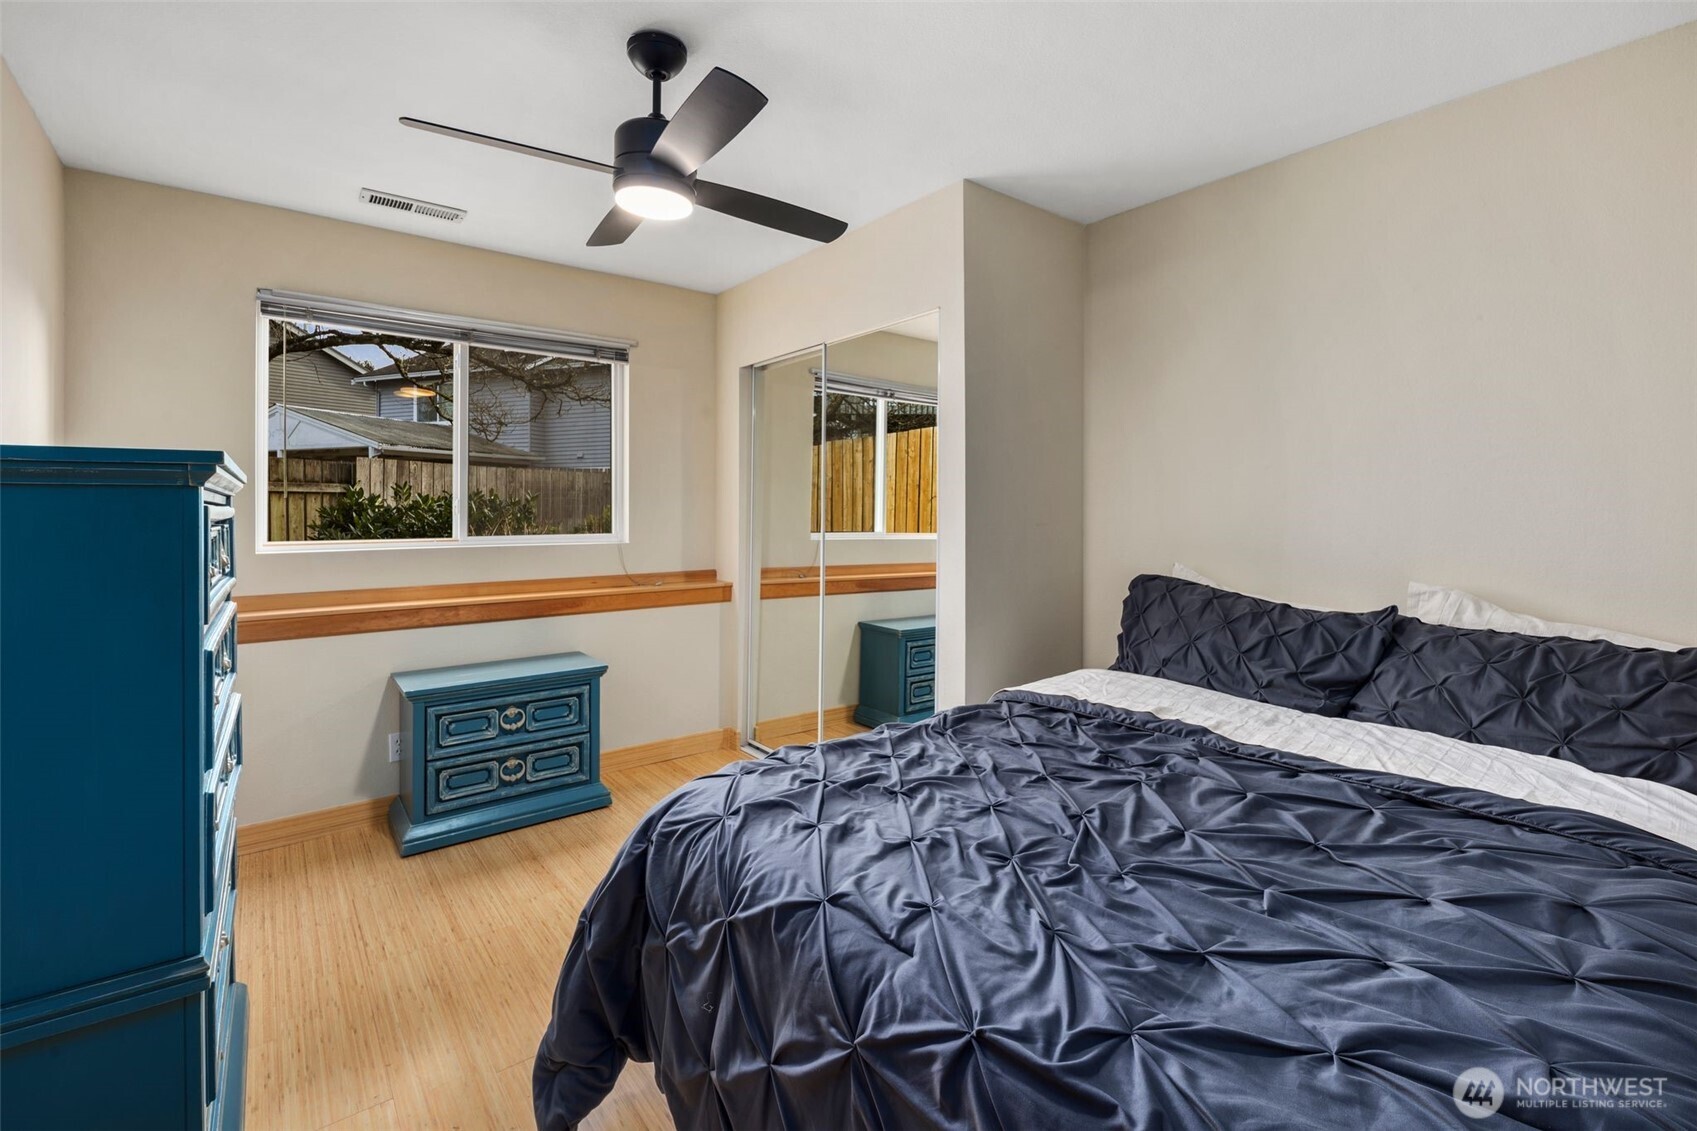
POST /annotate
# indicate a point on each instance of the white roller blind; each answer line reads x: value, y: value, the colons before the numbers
x: 442, y: 327
x: 870, y: 387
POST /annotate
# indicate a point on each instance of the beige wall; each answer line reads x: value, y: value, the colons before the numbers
x: 1023, y: 474
x: 32, y: 279
x: 1460, y: 347
x: 160, y: 291
x: 316, y: 714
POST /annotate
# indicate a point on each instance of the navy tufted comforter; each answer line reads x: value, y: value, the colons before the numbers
x: 1042, y: 913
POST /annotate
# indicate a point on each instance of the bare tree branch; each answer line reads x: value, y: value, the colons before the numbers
x: 551, y: 384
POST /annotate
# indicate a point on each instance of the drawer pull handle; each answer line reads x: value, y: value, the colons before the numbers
x: 512, y: 770
x: 229, y: 762
x: 512, y: 718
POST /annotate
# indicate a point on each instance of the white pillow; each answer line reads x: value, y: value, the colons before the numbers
x: 1436, y: 604
x: 1185, y: 573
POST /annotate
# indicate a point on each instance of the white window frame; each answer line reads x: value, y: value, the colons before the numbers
x: 882, y: 393
x: 461, y: 538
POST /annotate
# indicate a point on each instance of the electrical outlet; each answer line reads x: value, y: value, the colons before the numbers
x: 395, y: 747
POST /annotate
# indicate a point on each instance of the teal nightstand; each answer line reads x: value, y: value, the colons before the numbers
x: 898, y: 666
x: 497, y: 746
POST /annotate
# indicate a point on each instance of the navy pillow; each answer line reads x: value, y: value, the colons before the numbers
x: 1303, y: 658
x: 1626, y: 711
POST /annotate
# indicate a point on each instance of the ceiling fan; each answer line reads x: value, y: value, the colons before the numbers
x: 655, y: 160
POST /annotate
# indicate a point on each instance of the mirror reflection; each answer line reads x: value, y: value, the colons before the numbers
x: 845, y: 500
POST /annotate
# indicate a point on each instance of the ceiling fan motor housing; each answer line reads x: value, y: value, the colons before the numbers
x: 634, y: 160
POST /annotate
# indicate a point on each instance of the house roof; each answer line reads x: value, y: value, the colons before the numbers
x: 400, y: 435
x: 392, y: 371
x: 288, y: 329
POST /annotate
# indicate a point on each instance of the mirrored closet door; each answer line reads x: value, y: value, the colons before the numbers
x: 843, y: 501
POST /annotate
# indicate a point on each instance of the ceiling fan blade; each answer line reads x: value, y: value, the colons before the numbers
x: 765, y: 211
x: 503, y: 143
x: 614, y: 228
x: 714, y: 113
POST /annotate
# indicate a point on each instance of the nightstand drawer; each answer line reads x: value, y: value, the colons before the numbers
x: 920, y: 695
x: 497, y: 775
x: 461, y: 728
x: 921, y: 656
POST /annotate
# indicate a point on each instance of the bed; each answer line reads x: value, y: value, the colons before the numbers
x: 1162, y: 896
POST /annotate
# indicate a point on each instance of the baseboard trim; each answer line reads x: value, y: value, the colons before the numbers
x: 789, y: 724
x: 668, y: 749
x: 284, y: 831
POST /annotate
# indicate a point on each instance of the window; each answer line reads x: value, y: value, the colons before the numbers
x: 384, y: 426
x: 875, y: 446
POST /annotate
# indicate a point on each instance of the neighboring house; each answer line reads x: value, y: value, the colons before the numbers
x: 559, y: 434
x: 518, y: 426
x: 325, y: 434
x: 320, y: 379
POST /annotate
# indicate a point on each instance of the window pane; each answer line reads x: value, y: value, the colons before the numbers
x: 356, y: 445
x: 541, y: 438
x: 848, y: 455
x: 910, y: 468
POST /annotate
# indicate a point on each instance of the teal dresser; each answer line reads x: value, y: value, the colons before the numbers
x: 898, y: 668
x: 497, y: 746
x: 120, y: 750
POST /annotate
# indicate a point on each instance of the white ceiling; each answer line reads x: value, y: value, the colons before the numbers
x: 1083, y: 109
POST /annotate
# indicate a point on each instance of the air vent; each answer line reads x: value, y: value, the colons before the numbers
x: 407, y: 204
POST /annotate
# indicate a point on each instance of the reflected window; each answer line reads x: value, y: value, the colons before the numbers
x: 874, y: 463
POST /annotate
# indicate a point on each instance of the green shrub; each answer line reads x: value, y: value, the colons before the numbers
x: 596, y: 523
x: 360, y: 514
x: 493, y: 514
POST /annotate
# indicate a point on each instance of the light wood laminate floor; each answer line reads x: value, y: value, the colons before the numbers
x: 410, y: 994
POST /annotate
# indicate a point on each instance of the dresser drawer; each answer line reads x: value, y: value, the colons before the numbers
x: 479, y: 779
x: 919, y: 656
x: 216, y: 1000
x: 460, y: 728
x: 218, y: 863
x: 219, y: 566
x: 218, y: 666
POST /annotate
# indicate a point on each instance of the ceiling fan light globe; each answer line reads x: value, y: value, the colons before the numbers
x: 653, y: 202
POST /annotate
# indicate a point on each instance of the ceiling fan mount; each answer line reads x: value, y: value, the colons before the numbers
x: 656, y: 159
x: 657, y: 55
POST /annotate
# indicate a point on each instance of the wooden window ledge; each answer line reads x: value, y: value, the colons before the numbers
x: 781, y: 581
x: 342, y: 612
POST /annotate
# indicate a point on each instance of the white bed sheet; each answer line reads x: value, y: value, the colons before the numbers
x: 1651, y: 806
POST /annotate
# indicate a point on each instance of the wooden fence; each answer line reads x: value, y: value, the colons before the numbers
x: 565, y: 496
x: 910, y: 482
